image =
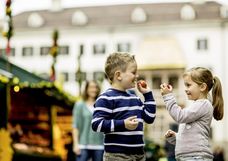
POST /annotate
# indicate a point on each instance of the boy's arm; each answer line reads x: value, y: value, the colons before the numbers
x: 102, y: 117
x: 149, y: 110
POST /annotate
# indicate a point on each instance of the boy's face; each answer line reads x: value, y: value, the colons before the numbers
x: 129, y: 77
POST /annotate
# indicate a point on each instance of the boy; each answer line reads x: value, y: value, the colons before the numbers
x: 120, y: 114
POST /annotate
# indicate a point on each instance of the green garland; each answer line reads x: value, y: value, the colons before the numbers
x: 45, y: 85
x: 9, y: 30
x: 54, y: 52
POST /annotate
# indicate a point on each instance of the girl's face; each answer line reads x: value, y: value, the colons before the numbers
x: 92, y: 90
x: 193, y: 90
x: 129, y: 77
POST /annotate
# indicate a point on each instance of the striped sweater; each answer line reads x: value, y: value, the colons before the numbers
x: 111, y: 109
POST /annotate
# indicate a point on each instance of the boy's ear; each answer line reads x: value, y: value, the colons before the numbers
x: 117, y: 75
x: 203, y: 87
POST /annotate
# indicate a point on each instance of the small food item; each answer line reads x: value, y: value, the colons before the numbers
x: 169, y: 87
x: 142, y: 83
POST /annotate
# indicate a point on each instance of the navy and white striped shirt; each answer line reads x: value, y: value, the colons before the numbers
x: 111, y: 109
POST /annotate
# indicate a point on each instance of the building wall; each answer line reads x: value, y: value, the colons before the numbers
x: 186, y: 34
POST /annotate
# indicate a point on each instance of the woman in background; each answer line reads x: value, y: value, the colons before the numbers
x: 87, y: 144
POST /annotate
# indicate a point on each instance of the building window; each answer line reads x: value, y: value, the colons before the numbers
x: 65, y: 76
x: 35, y: 20
x: 99, y: 49
x: 80, y: 76
x: 64, y: 50
x: 12, y: 52
x: 2, y: 51
x: 99, y: 76
x: 138, y: 15
x: 81, y: 49
x: 123, y: 47
x: 156, y: 82
x: 187, y: 13
x: 202, y: 44
x: 224, y: 12
x: 44, y: 51
x: 27, y: 51
x: 173, y: 81
x: 79, y: 18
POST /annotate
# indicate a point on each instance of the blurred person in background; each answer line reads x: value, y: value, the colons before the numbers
x: 87, y: 144
x: 170, y: 148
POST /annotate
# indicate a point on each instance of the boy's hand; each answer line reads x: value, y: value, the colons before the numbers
x: 170, y: 133
x: 131, y: 123
x: 143, y: 87
x: 165, y: 88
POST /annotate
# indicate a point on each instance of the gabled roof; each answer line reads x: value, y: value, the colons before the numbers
x: 16, y: 71
x: 5, y: 73
x: 119, y: 15
x: 31, y: 82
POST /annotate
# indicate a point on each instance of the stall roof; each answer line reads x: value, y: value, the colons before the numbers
x: 16, y: 71
x: 6, y: 74
x: 29, y: 81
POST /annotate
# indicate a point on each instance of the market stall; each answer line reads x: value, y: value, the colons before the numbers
x: 36, y: 114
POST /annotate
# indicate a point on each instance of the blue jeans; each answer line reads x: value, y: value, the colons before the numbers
x: 86, y: 154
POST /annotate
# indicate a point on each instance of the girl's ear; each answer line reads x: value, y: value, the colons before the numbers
x: 117, y: 75
x: 203, y: 87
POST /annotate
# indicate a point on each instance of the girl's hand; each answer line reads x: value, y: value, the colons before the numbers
x: 170, y: 133
x: 131, y: 123
x: 165, y: 88
x: 142, y: 86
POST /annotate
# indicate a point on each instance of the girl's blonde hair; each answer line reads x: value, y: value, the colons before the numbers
x: 202, y: 75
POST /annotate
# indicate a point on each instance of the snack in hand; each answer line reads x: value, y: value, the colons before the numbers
x: 142, y: 83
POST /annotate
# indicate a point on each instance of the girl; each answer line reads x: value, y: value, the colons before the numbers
x: 192, y: 139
